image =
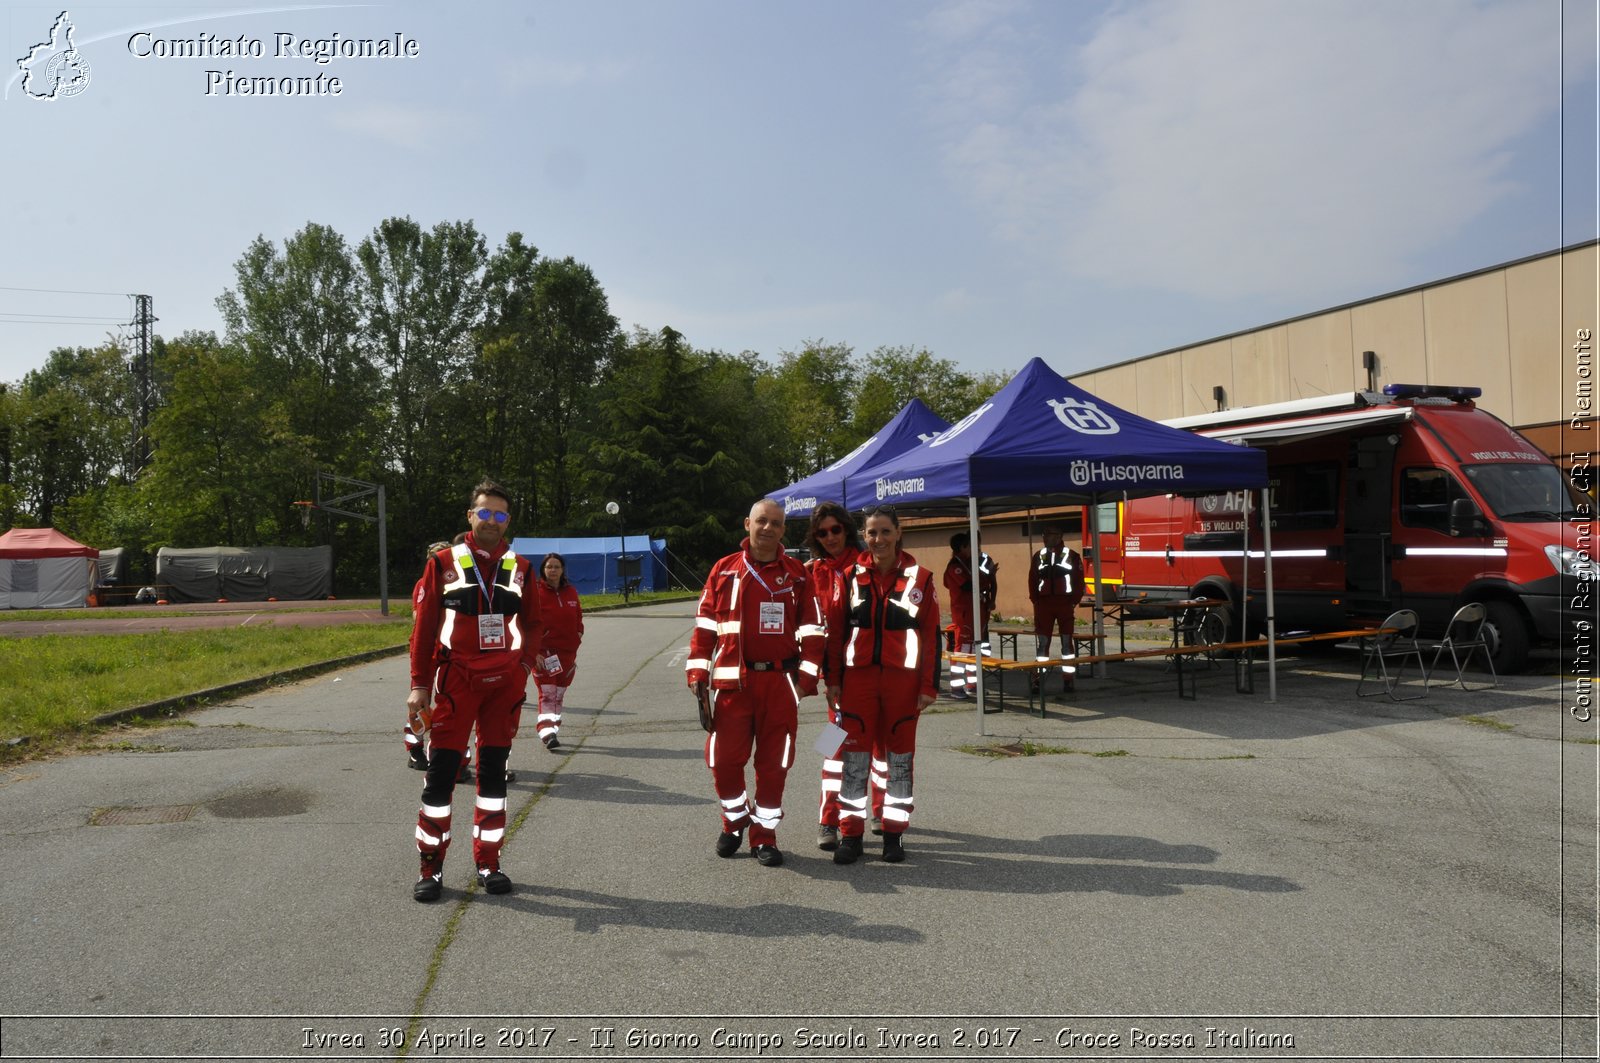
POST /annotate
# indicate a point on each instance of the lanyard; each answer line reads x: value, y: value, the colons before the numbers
x: 757, y: 577
x: 488, y: 592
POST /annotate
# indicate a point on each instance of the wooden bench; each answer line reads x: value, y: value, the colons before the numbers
x: 1243, y: 650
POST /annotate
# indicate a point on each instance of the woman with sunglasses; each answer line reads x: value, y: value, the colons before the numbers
x: 835, y: 546
x: 563, y: 630
x: 885, y: 645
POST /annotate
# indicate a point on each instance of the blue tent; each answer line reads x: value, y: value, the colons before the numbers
x: 592, y: 560
x: 1043, y: 440
x: 914, y: 424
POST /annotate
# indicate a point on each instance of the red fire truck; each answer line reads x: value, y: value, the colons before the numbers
x: 1413, y: 499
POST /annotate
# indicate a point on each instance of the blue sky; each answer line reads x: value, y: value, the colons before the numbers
x: 989, y: 179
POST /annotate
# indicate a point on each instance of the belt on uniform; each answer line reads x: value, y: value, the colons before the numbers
x: 789, y: 665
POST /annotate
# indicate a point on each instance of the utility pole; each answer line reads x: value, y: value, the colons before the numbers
x: 143, y: 382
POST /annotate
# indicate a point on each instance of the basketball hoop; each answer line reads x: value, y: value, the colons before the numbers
x: 305, y: 513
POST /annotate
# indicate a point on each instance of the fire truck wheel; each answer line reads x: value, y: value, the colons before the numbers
x: 1507, y: 635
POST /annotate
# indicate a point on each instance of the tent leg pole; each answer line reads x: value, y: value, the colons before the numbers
x: 977, y: 605
x: 1272, y: 611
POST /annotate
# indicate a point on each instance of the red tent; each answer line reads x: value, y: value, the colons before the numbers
x: 42, y: 569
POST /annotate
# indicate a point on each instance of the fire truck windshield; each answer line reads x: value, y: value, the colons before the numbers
x: 1524, y: 492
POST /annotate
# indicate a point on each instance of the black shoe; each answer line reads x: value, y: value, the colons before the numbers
x: 893, y: 851
x: 877, y: 825
x: 427, y: 889
x: 768, y: 856
x: 728, y: 843
x: 827, y: 838
x: 495, y: 881
x: 416, y: 758
x: 552, y: 743
x: 849, y: 850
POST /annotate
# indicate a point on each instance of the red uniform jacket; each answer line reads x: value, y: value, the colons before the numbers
x: 562, y: 616
x: 828, y: 577
x: 449, y: 599
x: 958, y: 584
x: 889, y: 620
x: 733, y: 629
x: 1055, y: 574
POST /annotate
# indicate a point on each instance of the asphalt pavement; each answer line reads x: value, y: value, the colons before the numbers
x: 1133, y: 876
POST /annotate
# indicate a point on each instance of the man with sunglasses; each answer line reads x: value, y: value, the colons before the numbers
x: 474, y: 642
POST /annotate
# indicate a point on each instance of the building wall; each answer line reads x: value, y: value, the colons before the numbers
x: 1508, y: 329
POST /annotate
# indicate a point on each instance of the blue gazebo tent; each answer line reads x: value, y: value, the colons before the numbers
x: 592, y: 560
x: 914, y: 424
x: 1042, y: 440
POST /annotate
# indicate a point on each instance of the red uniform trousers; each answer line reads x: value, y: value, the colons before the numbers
x: 878, y: 711
x: 553, y: 692
x: 764, y: 714
x: 1050, y: 614
x: 833, y: 772
x: 461, y: 698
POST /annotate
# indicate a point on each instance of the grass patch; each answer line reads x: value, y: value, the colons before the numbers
x: 1487, y: 721
x: 1585, y: 741
x: 54, y: 685
x: 398, y: 607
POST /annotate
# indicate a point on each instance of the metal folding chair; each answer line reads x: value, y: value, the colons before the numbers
x: 1395, y: 640
x: 1463, y: 638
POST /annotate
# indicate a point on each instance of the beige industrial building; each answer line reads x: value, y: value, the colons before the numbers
x: 1521, y: 331
x: 1508, y: 329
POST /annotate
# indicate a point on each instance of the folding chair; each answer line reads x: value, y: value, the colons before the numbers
x: 1395, y: 640
x: 1465, y: 633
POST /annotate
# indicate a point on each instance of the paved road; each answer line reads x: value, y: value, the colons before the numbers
x: 1229, y: 878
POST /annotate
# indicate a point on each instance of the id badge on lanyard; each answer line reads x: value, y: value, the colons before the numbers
x: 772, y: 618
x: 491, y: 626
x: 492, y: 632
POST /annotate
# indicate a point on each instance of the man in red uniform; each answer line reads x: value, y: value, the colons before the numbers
x: 474, y: 643
x: 1055, y: 586
x: 756, y: 651
x: 958, y: 585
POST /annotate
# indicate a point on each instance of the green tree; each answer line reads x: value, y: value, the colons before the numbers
x: 69, y: 429
x: 295, y: 317
x: 547, y: 338
x: 421, y: 295
x: 222, y: 450
x: 676, y: 446
x: 813, y: 391
x: 895, y: 375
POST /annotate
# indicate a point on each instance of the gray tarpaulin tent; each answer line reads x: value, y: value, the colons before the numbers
x: 245, y: 574
x: 42, y: 569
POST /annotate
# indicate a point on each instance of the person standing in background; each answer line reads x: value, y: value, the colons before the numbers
x: 563, y: 631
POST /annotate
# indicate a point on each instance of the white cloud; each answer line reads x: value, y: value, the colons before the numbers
x: 404, y: 127
x: 1252, y: 147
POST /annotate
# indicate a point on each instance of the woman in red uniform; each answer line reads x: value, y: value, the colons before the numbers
x: 563, y: 630
x: 835, y: 547
x: 885, y: 644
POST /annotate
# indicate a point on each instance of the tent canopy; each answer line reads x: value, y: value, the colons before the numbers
x: 914, y: 424
x: 592, y: 560
x: 1042, y: 440
x: 42, y: 542
x: 245, y: 574
x: 42, y: 569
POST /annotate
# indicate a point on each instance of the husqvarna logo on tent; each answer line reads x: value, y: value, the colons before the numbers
x: 1084, y: 417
